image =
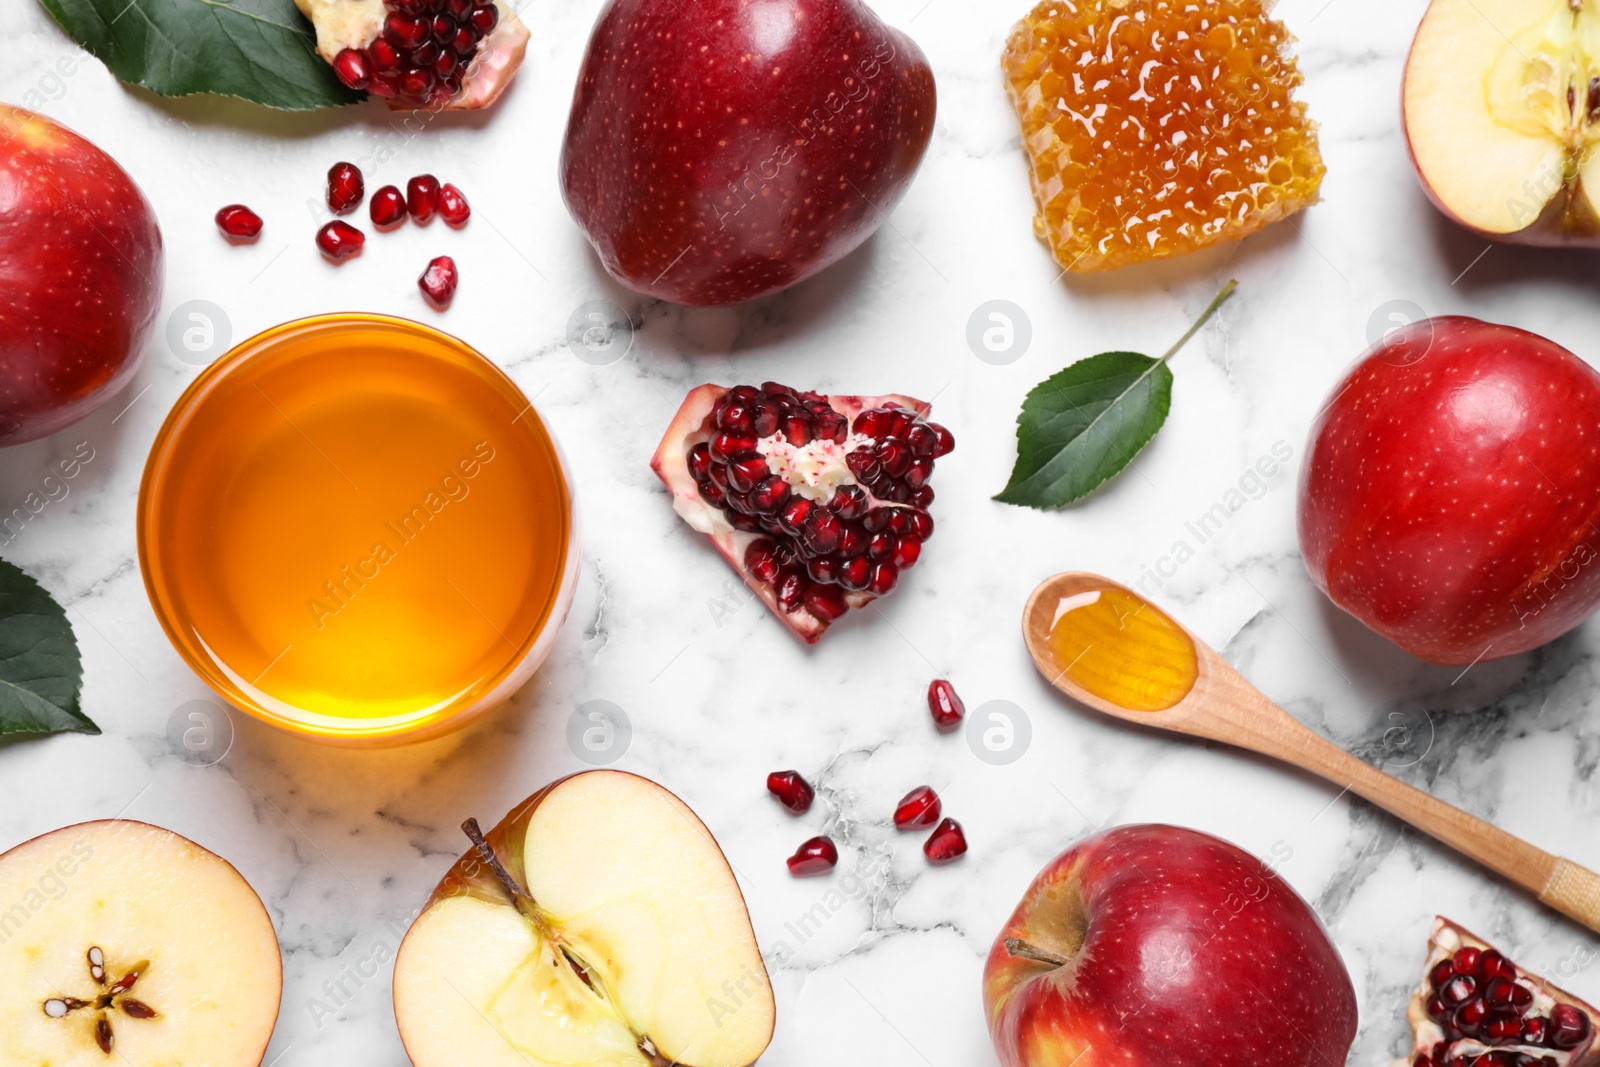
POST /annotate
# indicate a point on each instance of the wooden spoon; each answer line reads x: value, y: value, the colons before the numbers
x: 1222, y: 706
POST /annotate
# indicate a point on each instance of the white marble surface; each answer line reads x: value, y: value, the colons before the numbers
x: 344, y: 845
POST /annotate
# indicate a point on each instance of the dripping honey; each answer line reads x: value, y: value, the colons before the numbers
x: 1116, y: 646
x: 355, y: 527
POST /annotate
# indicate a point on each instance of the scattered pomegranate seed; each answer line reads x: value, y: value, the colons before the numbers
x: 422, y: 197
x: 345, y: 187
x: 236, y: 220
x: 917, y: 810
x: 945, y: 706
x: 340, y: 240
x: 816, y: 856
x: 946, y: 843
x: 439, y: 280
x: 453, y: 207
x: 353, y: 68
x: 388, y: 207
x: 792, y: 791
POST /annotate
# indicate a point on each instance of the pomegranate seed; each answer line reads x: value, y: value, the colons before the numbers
x: 826, y: 602
x: 1458, y: 990
x: 1436, y: 1009
x: 1470, y: 1014
x: 340, y: 240
x: 385, y: 57
x: 404, y: 31
x: 427, y: 55
x: 1533, y: 1031
x: 946, y: 843
x: 388, y: 208
x: 944, y: 705
x: 444, y: 28
x: 236, y: 220
x: 1441, y: 973
x: 906, y: 552
x: 453, y: 207
x: 791, y: 592
x: 792, y: 791
x: 1504, y: 1028
x: 747, y: 473
x: 1493, y: 965
x: 872, y: 423
x: 883, y: 580
x: 484, y: 19
x: 1521, y: 996
x: 416, y: 84
x: 761, y: 561
x: 855, y: 574
x: 464, y: 43
x: 816, y: 856
x: 422, y: 196
x: 1465, y: 961
x: 1568, y: 1026
x: 439, y: 280
x: 947, y: 440
x: 345, y: 187
x: 352, y: 68
x: 917, y: 810
x: 769, y: 496
x: 1498, y: 994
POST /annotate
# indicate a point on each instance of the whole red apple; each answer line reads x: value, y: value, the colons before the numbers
x: 721, y: 150
x: 1157, y: 946
x: 1451, y: 491
x: 80, y: 276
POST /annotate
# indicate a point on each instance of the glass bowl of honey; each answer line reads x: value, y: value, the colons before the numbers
x: 357, y: 528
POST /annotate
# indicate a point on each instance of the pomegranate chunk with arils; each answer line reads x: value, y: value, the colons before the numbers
x: 417, y: 54
x: 819, y: 502
x: 1475, y: 1008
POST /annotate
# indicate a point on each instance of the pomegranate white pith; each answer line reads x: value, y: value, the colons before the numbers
x: 820, y: 503
x: 1475, y: 1008
x: 414, y: 54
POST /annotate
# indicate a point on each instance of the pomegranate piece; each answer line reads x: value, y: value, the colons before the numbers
x: 345, y: 187
x: 1475, y: 1007
x: 453, y: 207
x: 816, y: 856
x: 418, y: 54
x: 340, y: 240
x: 438, y: 282
x: 945, y: 706
x: 388, y: 207
x: 792, y: 791
x: 238, y: 221
x: 917, y: 810
x: 422, y: 197
x: 819, y: 502
x: 945, y: 844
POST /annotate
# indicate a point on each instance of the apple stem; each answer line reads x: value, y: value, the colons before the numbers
x: 520, y: 897
x: 1022, y: 950
x: 1211, y: 309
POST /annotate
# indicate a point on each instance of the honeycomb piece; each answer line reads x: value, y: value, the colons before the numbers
x: 1158, y: 127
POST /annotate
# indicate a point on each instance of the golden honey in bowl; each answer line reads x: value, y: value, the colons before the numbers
x: 359, y: 528
x: 1116, y: 646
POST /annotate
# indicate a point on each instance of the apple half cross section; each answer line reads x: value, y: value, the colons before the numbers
x: 606, y: 929
x: 123, y: 943
x: 1502, y: 114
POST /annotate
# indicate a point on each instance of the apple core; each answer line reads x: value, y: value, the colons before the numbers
x: 1120, y: 648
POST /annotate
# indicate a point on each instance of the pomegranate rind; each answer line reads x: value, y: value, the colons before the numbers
x: 342, y: 24
x: 1444, y: 940
x: 671, y: 464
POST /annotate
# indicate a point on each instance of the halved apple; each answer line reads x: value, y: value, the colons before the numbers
x: 1501, y: 107
x: 123, y: 943
x: 597, y: 924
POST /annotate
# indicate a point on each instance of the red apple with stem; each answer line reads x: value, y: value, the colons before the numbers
x: 1158, y: 946
x: 721, y: 150
x: 1450, y: 497
x: 80, y: 276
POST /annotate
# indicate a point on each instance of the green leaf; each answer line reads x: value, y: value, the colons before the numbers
x: 258, y: 50
x: 41, y: 674
x: 1082, y: 426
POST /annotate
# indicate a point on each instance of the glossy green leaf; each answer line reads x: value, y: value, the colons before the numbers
x: 41, y: 674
